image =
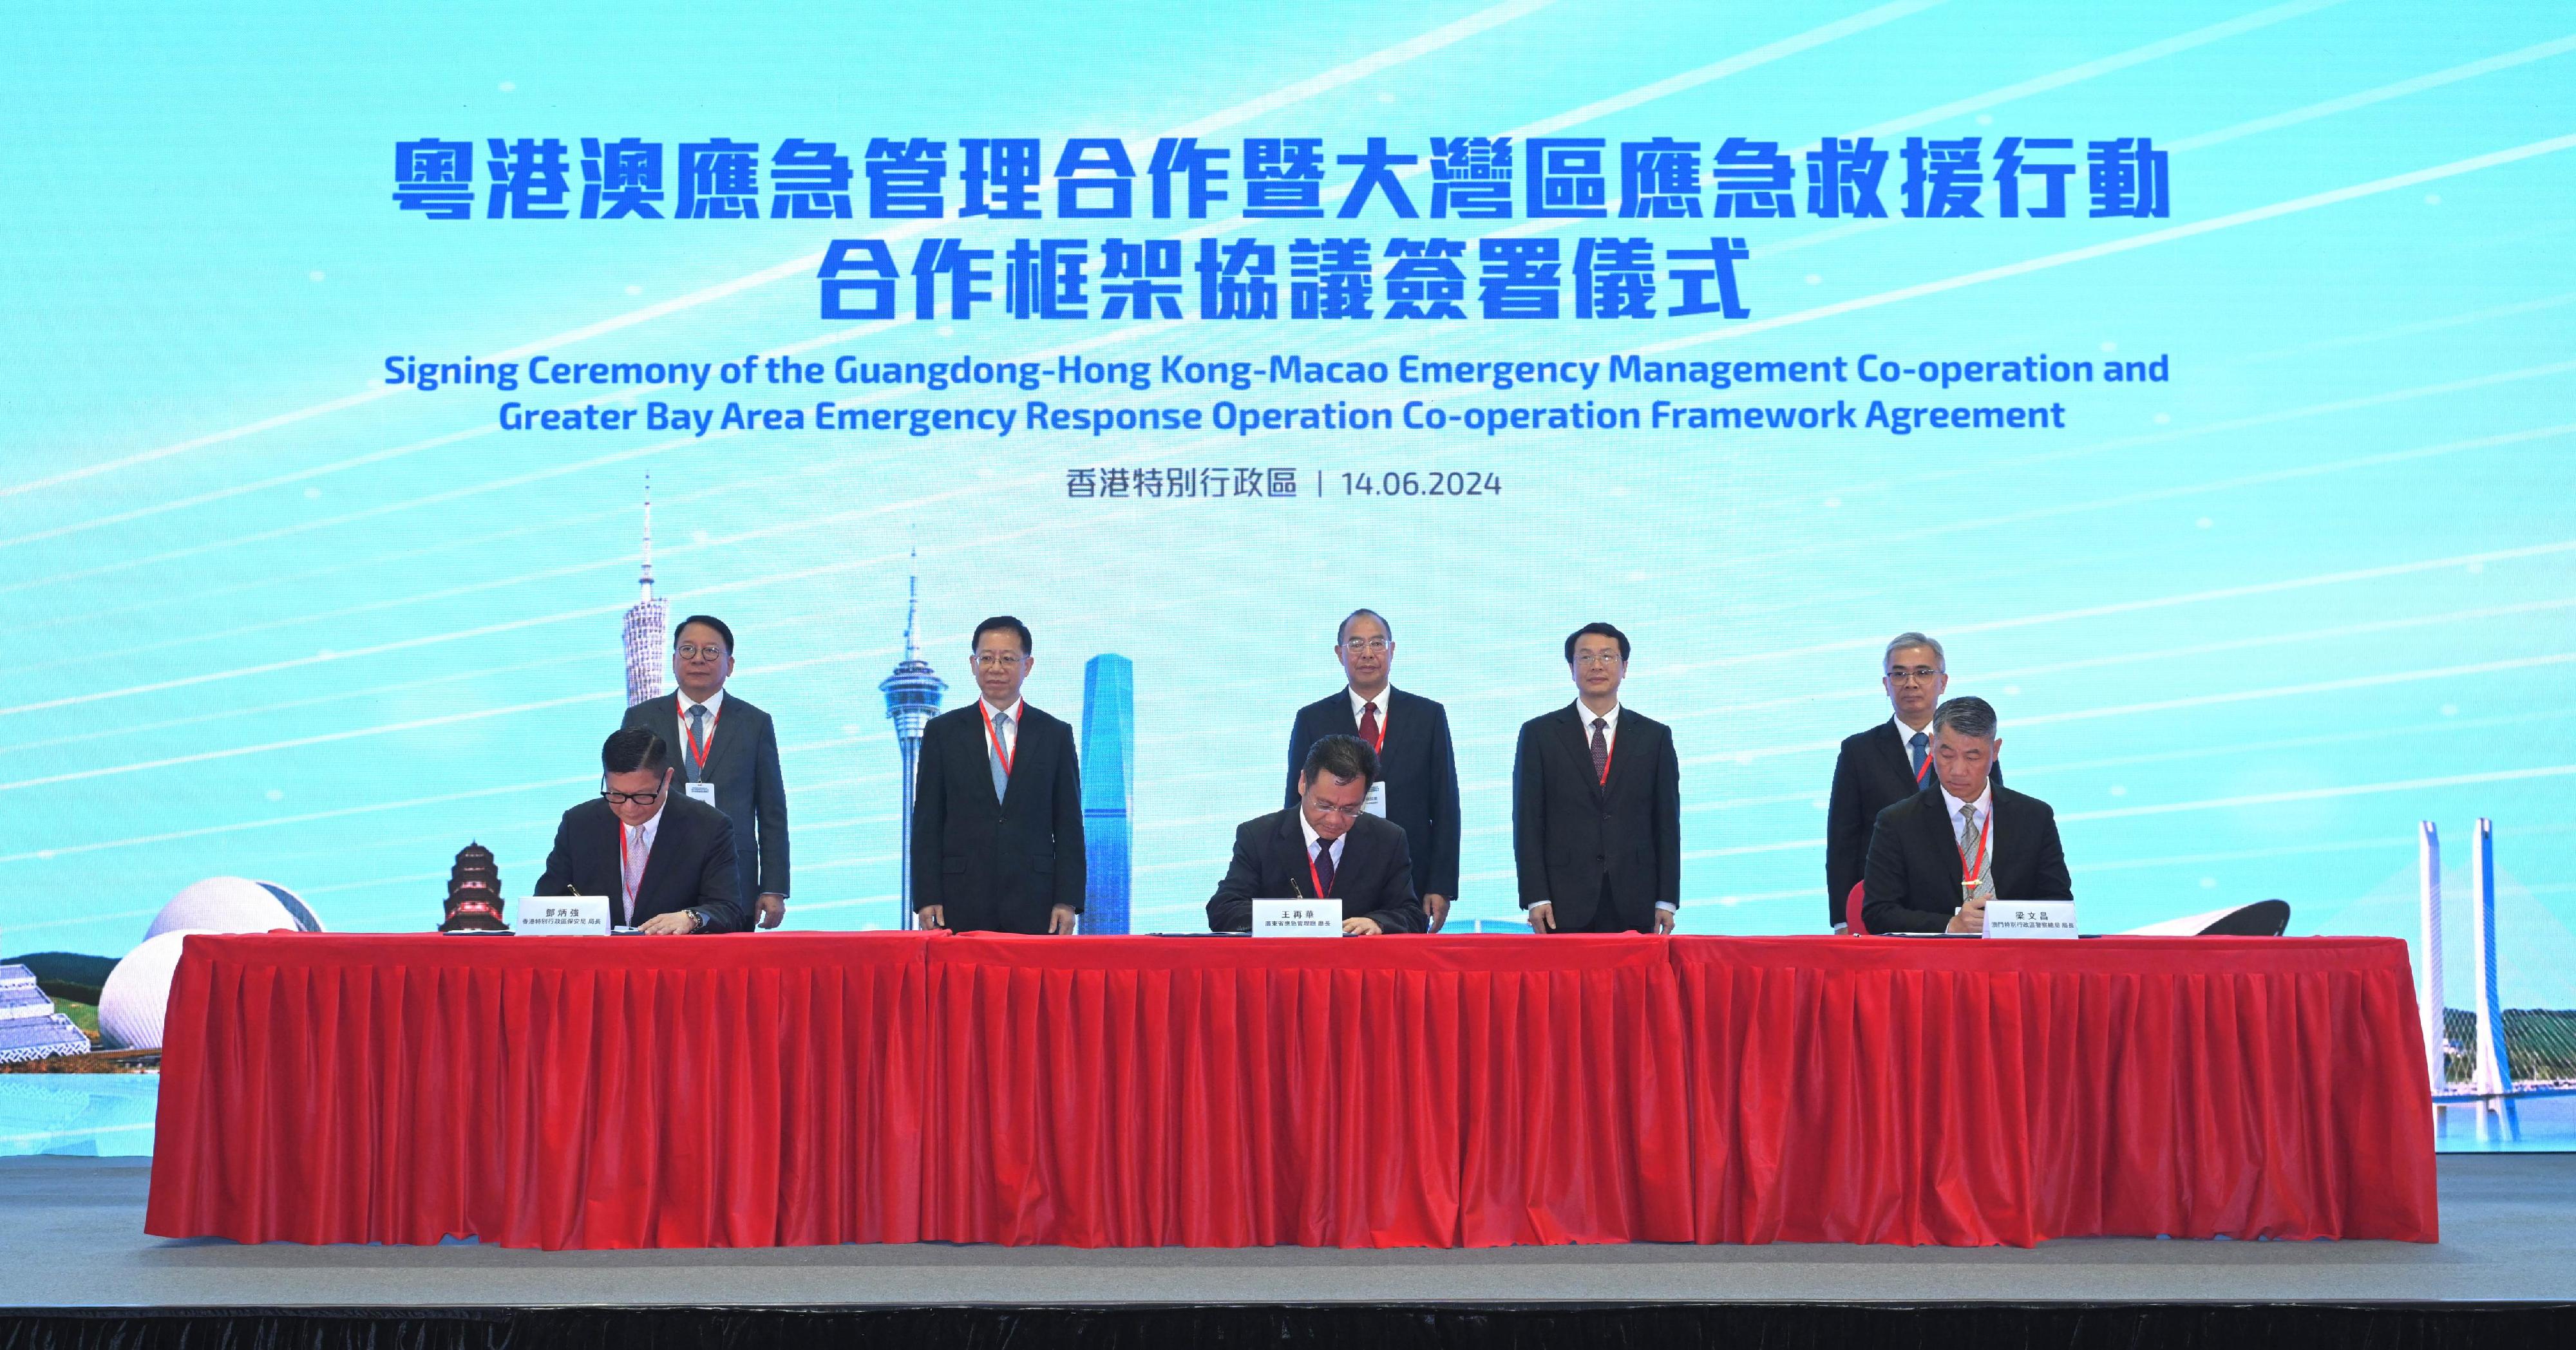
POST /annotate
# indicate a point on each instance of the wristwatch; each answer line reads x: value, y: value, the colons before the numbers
x: 699, y: 918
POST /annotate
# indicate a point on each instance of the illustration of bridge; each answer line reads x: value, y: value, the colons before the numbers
x: 2473, y: 1054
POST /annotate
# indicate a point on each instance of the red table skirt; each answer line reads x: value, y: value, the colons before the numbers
x: 791, y: 1089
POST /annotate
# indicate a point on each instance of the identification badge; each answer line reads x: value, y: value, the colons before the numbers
x: 1375, y: 803
x: 1296, y: 918
x: 579, y: 915
x: 704, y: 792
x: 2030, y: 918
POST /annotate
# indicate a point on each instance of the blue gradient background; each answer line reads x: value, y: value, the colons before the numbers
x: 2245, y: 628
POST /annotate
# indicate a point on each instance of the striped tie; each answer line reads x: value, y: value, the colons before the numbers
x: 1600, y: 749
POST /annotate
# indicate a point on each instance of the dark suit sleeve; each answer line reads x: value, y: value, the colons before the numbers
x: 1668, y: 825
x: 720, y: 884
x: 1072, y: 862
x: 1885, y: 904
x: 1298, y: 741
x: 1439, y: 874
x: 2054, y: 883
x: 1846, y: 836
x: 929, y: 822
x: 1230, y: 909
x: 1529, y: 817
x: 557, y: 879
x: 634, y: 717
x: 769, y: 808
x: 1399, y: 906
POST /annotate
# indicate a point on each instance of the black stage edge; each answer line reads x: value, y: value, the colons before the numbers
x: 1770, y: 1326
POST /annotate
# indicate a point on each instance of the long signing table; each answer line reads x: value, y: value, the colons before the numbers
x: 791, y: 1089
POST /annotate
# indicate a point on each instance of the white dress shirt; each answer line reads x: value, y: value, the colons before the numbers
x: 1359, y: 706
x: 715, y: 712
x: 1905, y: 741
x: 1985, y: 804
x: 1010, y: 734
x: 637, y: 850
x: 1609, y: 742
x: 1312, y: 839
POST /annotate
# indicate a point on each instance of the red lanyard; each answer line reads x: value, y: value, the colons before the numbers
x: 1000, y: 752
x: 1924, y: 769
x: 1318, y: 877
x: 1378, y: 741
x: 1969, y: 872
x: 698, y: 749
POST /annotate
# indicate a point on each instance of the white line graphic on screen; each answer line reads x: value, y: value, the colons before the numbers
x: 1408, y: 50
x: 2366, y: 97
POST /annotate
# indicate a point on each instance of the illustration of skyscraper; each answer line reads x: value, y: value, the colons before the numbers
x: 912, y: 699
x: 1108, y: 782
x: 644, y: 654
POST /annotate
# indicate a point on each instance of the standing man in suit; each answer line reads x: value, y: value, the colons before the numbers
x: 1415, y: 787
x: 664, y: 862
x: 997, y: 805
x: 1325, y: 846
x: 728, y: 758
x: 1597, y: 804
x: 1937, y: 857
x: 1884, y: 765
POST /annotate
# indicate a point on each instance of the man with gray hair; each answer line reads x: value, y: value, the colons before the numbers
x: 1937, y: 858
x: 1884, y: 765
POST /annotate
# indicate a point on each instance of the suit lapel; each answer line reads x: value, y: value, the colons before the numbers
x: 1634, y: 733
x: 1900, y: 756
x: 1293, y: 841
x: 1579, y: 740
x: 1937, y: 813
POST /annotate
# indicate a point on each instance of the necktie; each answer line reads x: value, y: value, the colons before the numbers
x: 1324, y: 867
x: 1001, y: 771
x: 1600, y: 749
x: 1969, y: 848
x: 1922, y: 752
x: 630, y: 867
x: 697, y: 742
x: 1369, y: 729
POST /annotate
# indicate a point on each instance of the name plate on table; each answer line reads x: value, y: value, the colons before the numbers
x: 584, y: 915
x: 2030, y: 918
x: 1296, y: 918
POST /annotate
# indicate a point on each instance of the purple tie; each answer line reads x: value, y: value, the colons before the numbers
x: 1600, y: 750
x: 1324, y: 867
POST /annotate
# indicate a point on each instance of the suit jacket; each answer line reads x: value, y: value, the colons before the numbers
x: 1420, y: 769
x: 1002, y: 865
x: 1374, y: 879
x: 692, y: 864
x: 1575, y: 837
x: 1874, y: 772
x: 742, y: 763
x: 1914, y: 872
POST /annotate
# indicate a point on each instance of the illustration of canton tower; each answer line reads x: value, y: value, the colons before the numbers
x: 912, y: 697
x: 644, y: 623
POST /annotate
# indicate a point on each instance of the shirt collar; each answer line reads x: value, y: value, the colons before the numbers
x: 644, y: 832
x: 1012, y: 712
x: 1985, y: 802
x: 1308, y: 828
x: 1585, y: 715
x: 714, y: 705
x: 1905, y: 735
x: 1384, y: 697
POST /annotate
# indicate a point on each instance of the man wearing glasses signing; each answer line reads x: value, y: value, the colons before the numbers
x: 665, y: 862
x: 1326, y: 847
x: 997, y: 805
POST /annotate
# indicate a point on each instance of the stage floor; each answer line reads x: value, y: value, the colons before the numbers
x: 71, y: 1236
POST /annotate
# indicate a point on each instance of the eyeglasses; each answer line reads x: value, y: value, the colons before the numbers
x: 639, y: 798
x: 1901, y: 675
x: 997, y: 660
x: 1366, y: 646
x: 1345, y: 812
x: 1596, y: 658
x: 690, y: 651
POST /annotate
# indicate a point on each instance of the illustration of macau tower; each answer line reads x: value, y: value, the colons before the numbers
x: 912, y: 698
x: 644, y: 651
